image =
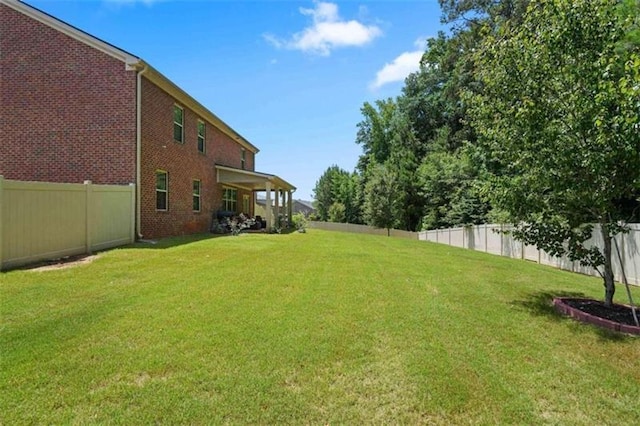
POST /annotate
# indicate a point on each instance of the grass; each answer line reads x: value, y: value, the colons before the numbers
x: 312, y: 328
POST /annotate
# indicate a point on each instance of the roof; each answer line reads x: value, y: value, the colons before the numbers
x: 301, y: 204
x: 254, y: 181
x: 306, y: 203
x: 132, y: 62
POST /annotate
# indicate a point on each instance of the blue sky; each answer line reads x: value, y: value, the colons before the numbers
x: 290, y: 76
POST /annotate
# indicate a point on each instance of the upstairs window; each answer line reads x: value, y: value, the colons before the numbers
x: 162, y: 190
x: 178, y: 124
x: 243, y: 159
x: 196, y: 195
x: 230, y: 199
x: 201, y: 136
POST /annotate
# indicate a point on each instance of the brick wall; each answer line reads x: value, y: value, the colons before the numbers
x: 68, y: 110
x: 183, y: 163
x: 69, y: 114
x: 227, y: 152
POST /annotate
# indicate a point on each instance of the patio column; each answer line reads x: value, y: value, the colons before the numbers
x: 254, y: 198
x: 277, y: 206
x: 289, y: 206
x: 267, y: 207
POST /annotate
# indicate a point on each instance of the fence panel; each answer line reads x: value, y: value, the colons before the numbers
x: 487, y: 238
x: 113, y: 221
x: 494, y: 239
x: 457, y: 237
x: 442, y: 236
x: 398, y: 233
x: 531, y: 253
x: 42, y: 220
x: 361, y: 229
x: 630, y: 253
x: 428, y: 236
x: 479, y: 237
x: 510, y: 246
x: 595, y: 241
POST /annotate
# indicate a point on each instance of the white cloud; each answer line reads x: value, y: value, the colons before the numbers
x: 327, y: 32
x: 400, y: 67
x: 275, y: 41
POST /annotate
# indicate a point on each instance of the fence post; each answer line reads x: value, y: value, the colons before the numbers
x: 87, y: 222
x: 486, y: 241
x: 132, y: 188
x: 1, y: 201
x: 464, y: 229
x: 621, y: 257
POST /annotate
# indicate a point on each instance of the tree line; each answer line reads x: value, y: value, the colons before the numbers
x: 527, y: 112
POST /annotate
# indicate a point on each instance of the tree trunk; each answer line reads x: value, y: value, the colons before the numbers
x: 609, y: 285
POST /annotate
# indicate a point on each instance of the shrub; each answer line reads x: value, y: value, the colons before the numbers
x: 300, y: 222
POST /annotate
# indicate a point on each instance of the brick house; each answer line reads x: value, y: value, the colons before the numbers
x: 75, y: 108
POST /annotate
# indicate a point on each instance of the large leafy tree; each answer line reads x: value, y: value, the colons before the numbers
x: 558, y: 117
x: 450, y: 187
x: 388, y: 138
x: 375, y: 132
x: 468, y: 13
x: 338, y: 187
x: 325, y: 190
x: 382, y: 198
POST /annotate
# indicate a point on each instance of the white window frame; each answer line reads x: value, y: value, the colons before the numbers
x: 202, y: 137
x: 165, y: 190
x: 196, y: 195
x: 180, y: 124
x: 243, y: 159
x: 226, y: 200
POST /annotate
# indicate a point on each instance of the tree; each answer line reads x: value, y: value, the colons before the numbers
x: 338, y: 186
x: 326, y: 190
x: 381, y: 198
x: 474, y: 12
x: 450, y: 187
x: 346, y: 193
x: 557, y: 115
x: 337, y: 212
x: 374, y: 132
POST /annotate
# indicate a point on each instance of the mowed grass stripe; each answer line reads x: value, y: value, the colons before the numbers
x: 307, y: 328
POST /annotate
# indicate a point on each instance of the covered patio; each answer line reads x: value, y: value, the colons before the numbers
x: 276, y: 189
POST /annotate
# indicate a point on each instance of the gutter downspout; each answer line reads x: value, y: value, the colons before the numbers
x: 144, y: 69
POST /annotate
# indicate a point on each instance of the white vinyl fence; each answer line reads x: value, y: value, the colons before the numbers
x: 362, y: 229
x: 489, y: 239
x: 41, y: 220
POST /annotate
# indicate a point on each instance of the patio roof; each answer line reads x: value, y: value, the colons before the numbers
x: 254, y: 181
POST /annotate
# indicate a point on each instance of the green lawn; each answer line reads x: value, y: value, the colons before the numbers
x: 312, y: 328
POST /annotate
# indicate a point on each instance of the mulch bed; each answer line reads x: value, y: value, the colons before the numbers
x: 617, y: 317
